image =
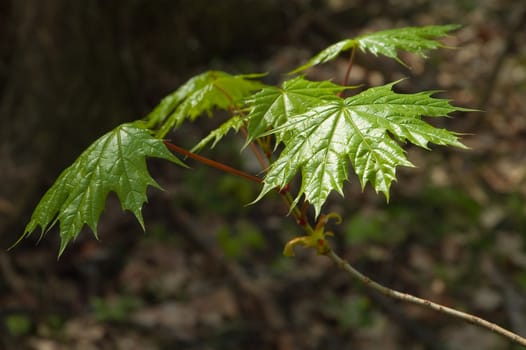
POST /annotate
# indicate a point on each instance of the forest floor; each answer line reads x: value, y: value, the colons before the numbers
x: 209, y: 272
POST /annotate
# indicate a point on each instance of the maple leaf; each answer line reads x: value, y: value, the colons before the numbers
x: 386, y: 42
x: 115, y: 162
x: 322, y: 142
x: 199, y: 95
x: 416, y: 40
x: 273, y: 106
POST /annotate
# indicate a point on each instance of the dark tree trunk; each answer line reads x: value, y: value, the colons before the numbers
x: 63, y: 83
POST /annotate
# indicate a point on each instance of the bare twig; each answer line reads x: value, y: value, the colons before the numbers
x: 344, y: 265
x: 414, y: 329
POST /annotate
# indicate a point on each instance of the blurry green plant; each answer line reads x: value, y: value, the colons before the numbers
x: 114, y: 310
x: 312, y: 130
x: 239, y: 241
x: 363, y: 228
x: 18, y: 324
x: 353, y: 313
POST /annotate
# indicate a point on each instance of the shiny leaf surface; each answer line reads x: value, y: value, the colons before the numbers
x: 200, y: 95
x: 115, y: 162
x: 416, y: 40
x: 272, y: 106
x: 324, y: 141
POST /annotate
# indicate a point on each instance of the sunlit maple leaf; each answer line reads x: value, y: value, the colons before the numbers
x: 361, y: 130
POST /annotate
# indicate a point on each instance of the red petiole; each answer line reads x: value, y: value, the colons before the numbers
x: 211, y: 162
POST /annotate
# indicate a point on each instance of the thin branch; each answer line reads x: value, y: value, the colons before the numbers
x: 344, y: 265
x: 211, y: 162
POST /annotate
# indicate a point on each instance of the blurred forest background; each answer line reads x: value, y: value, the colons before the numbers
x: 209, y: 273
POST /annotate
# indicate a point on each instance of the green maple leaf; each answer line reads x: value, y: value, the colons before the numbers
x: 272, y: 106
x: 115, y: 162
x: 410, y: 39
x: 322, y: 142
x: 416, y: 40
x: 201, y: 94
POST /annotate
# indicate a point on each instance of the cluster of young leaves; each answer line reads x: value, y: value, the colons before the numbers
x: 322, y: 134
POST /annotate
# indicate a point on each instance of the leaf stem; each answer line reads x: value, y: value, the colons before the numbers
x: 262, y: 159
x: 211, y: 162
x: 235, y: 107
x: 348, y: 71
x: 344, y: 265
x: 299, y: 215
